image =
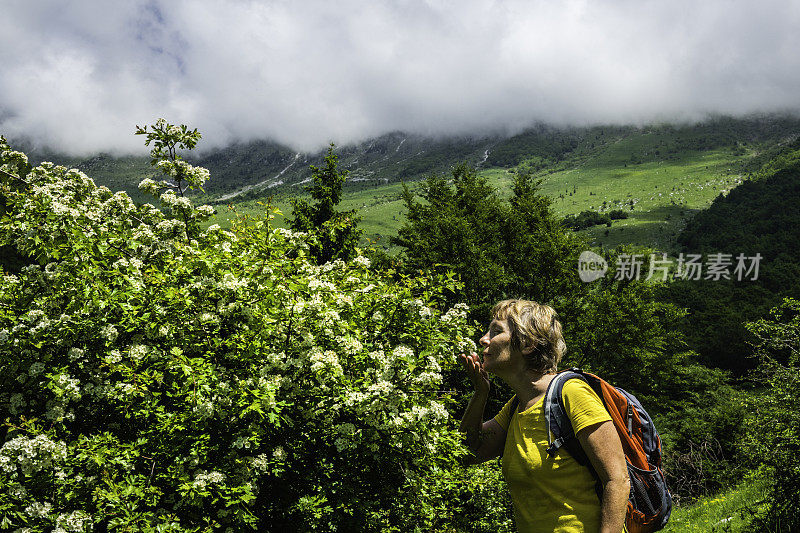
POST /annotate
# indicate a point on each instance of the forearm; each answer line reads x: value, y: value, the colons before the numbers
x: 472, y: 421
x: 614, y: 506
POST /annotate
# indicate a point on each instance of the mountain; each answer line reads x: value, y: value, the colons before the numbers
x: 760, y: 217
x: 253, y: 169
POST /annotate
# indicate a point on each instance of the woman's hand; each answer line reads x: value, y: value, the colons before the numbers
x: 479, y: 377
x: 484, y: 439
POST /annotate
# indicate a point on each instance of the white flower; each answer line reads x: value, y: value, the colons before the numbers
x: 75, y: 522
x: 327, y: 360
x: 351, y: 345
x: 138, y: 352
x: 403, y: 353
x: 203, y: 479
x: 32, y: 455
x: 229, y: 282
x: 428, y: 379
x: 467, y: 345
x: 343, y: 300
x: 204, y: 408
x: 316, y: 284
x: 381, y: 388
x: 261, y: 462
x: 68, y: 387
x: 241, y: 442
x: 362, y: 261
x: 438, y: 412
x: 286, y: 233
x: 113, y: 357
x: 39, y: 510
x: 109, y: 332
x: 457, y: 313
x: 208, y: 318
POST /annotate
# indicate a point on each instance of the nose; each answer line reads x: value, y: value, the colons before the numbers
x: 485, y: 339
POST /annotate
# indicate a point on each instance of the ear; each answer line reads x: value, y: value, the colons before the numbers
x: 526, y: 349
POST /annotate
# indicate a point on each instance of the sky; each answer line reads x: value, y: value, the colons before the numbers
x: 79, y: 75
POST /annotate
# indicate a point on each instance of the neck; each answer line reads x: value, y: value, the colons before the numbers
x: 529, y: 386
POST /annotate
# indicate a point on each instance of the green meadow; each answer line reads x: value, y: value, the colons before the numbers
x: 658, y: 194
x: 729, y: 511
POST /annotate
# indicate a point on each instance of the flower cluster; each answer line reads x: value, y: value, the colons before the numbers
x: 30, y: 455
x: 181, y: 170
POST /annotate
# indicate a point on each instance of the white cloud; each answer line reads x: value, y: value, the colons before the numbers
x: 80, y: 75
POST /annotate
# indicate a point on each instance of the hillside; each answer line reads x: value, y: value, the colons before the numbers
x: 661, y: 175
x: 761, y: 216
x: 250, y: 170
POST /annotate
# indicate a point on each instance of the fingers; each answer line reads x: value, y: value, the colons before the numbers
x: 474, y: 367
x: 470, y: 361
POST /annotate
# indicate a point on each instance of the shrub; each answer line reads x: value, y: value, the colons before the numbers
x: 774, y: 428
x: 156, y: 377
x: 585, y: 219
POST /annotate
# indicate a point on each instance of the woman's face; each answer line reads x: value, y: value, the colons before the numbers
x: 496, y: 344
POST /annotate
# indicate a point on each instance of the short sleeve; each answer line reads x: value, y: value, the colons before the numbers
x: 583, y: 406
x: 504, y: 416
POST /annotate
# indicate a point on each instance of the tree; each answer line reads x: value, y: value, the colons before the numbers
x: 774, y: 425
x: 335, y: 234
x: 458, y: 227
x: 614, y: 327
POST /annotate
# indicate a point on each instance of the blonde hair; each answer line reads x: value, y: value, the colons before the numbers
x: 533, y: 325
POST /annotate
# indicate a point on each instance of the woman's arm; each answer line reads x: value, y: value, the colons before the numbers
x: 604, y: 449
x: 484, y: 439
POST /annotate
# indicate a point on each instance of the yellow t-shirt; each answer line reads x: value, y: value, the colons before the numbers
x: 551, y: 494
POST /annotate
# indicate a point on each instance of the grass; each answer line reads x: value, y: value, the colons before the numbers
x: 729, y: 511
x: 660, y: 195
x: 660, y: 188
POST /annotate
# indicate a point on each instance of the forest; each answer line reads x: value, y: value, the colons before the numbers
x: 159, y: 372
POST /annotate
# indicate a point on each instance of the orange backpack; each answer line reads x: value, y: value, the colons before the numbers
x: 650, y: 503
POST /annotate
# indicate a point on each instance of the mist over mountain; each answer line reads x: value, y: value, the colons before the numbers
x: 260, y: 168
x: 77, y: 77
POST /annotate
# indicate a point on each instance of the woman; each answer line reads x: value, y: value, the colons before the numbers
x: 550, y: 494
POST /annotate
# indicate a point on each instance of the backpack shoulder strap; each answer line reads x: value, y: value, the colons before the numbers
x: 559, y: 427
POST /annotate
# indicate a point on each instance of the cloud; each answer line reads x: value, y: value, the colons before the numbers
x: 78, y: 76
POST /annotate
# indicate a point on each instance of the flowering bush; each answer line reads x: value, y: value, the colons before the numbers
x: 156, y: 377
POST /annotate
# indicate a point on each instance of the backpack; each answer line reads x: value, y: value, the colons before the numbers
x: 650, y: 503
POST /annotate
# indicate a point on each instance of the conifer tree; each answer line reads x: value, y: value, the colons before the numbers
x: 335, y: 233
